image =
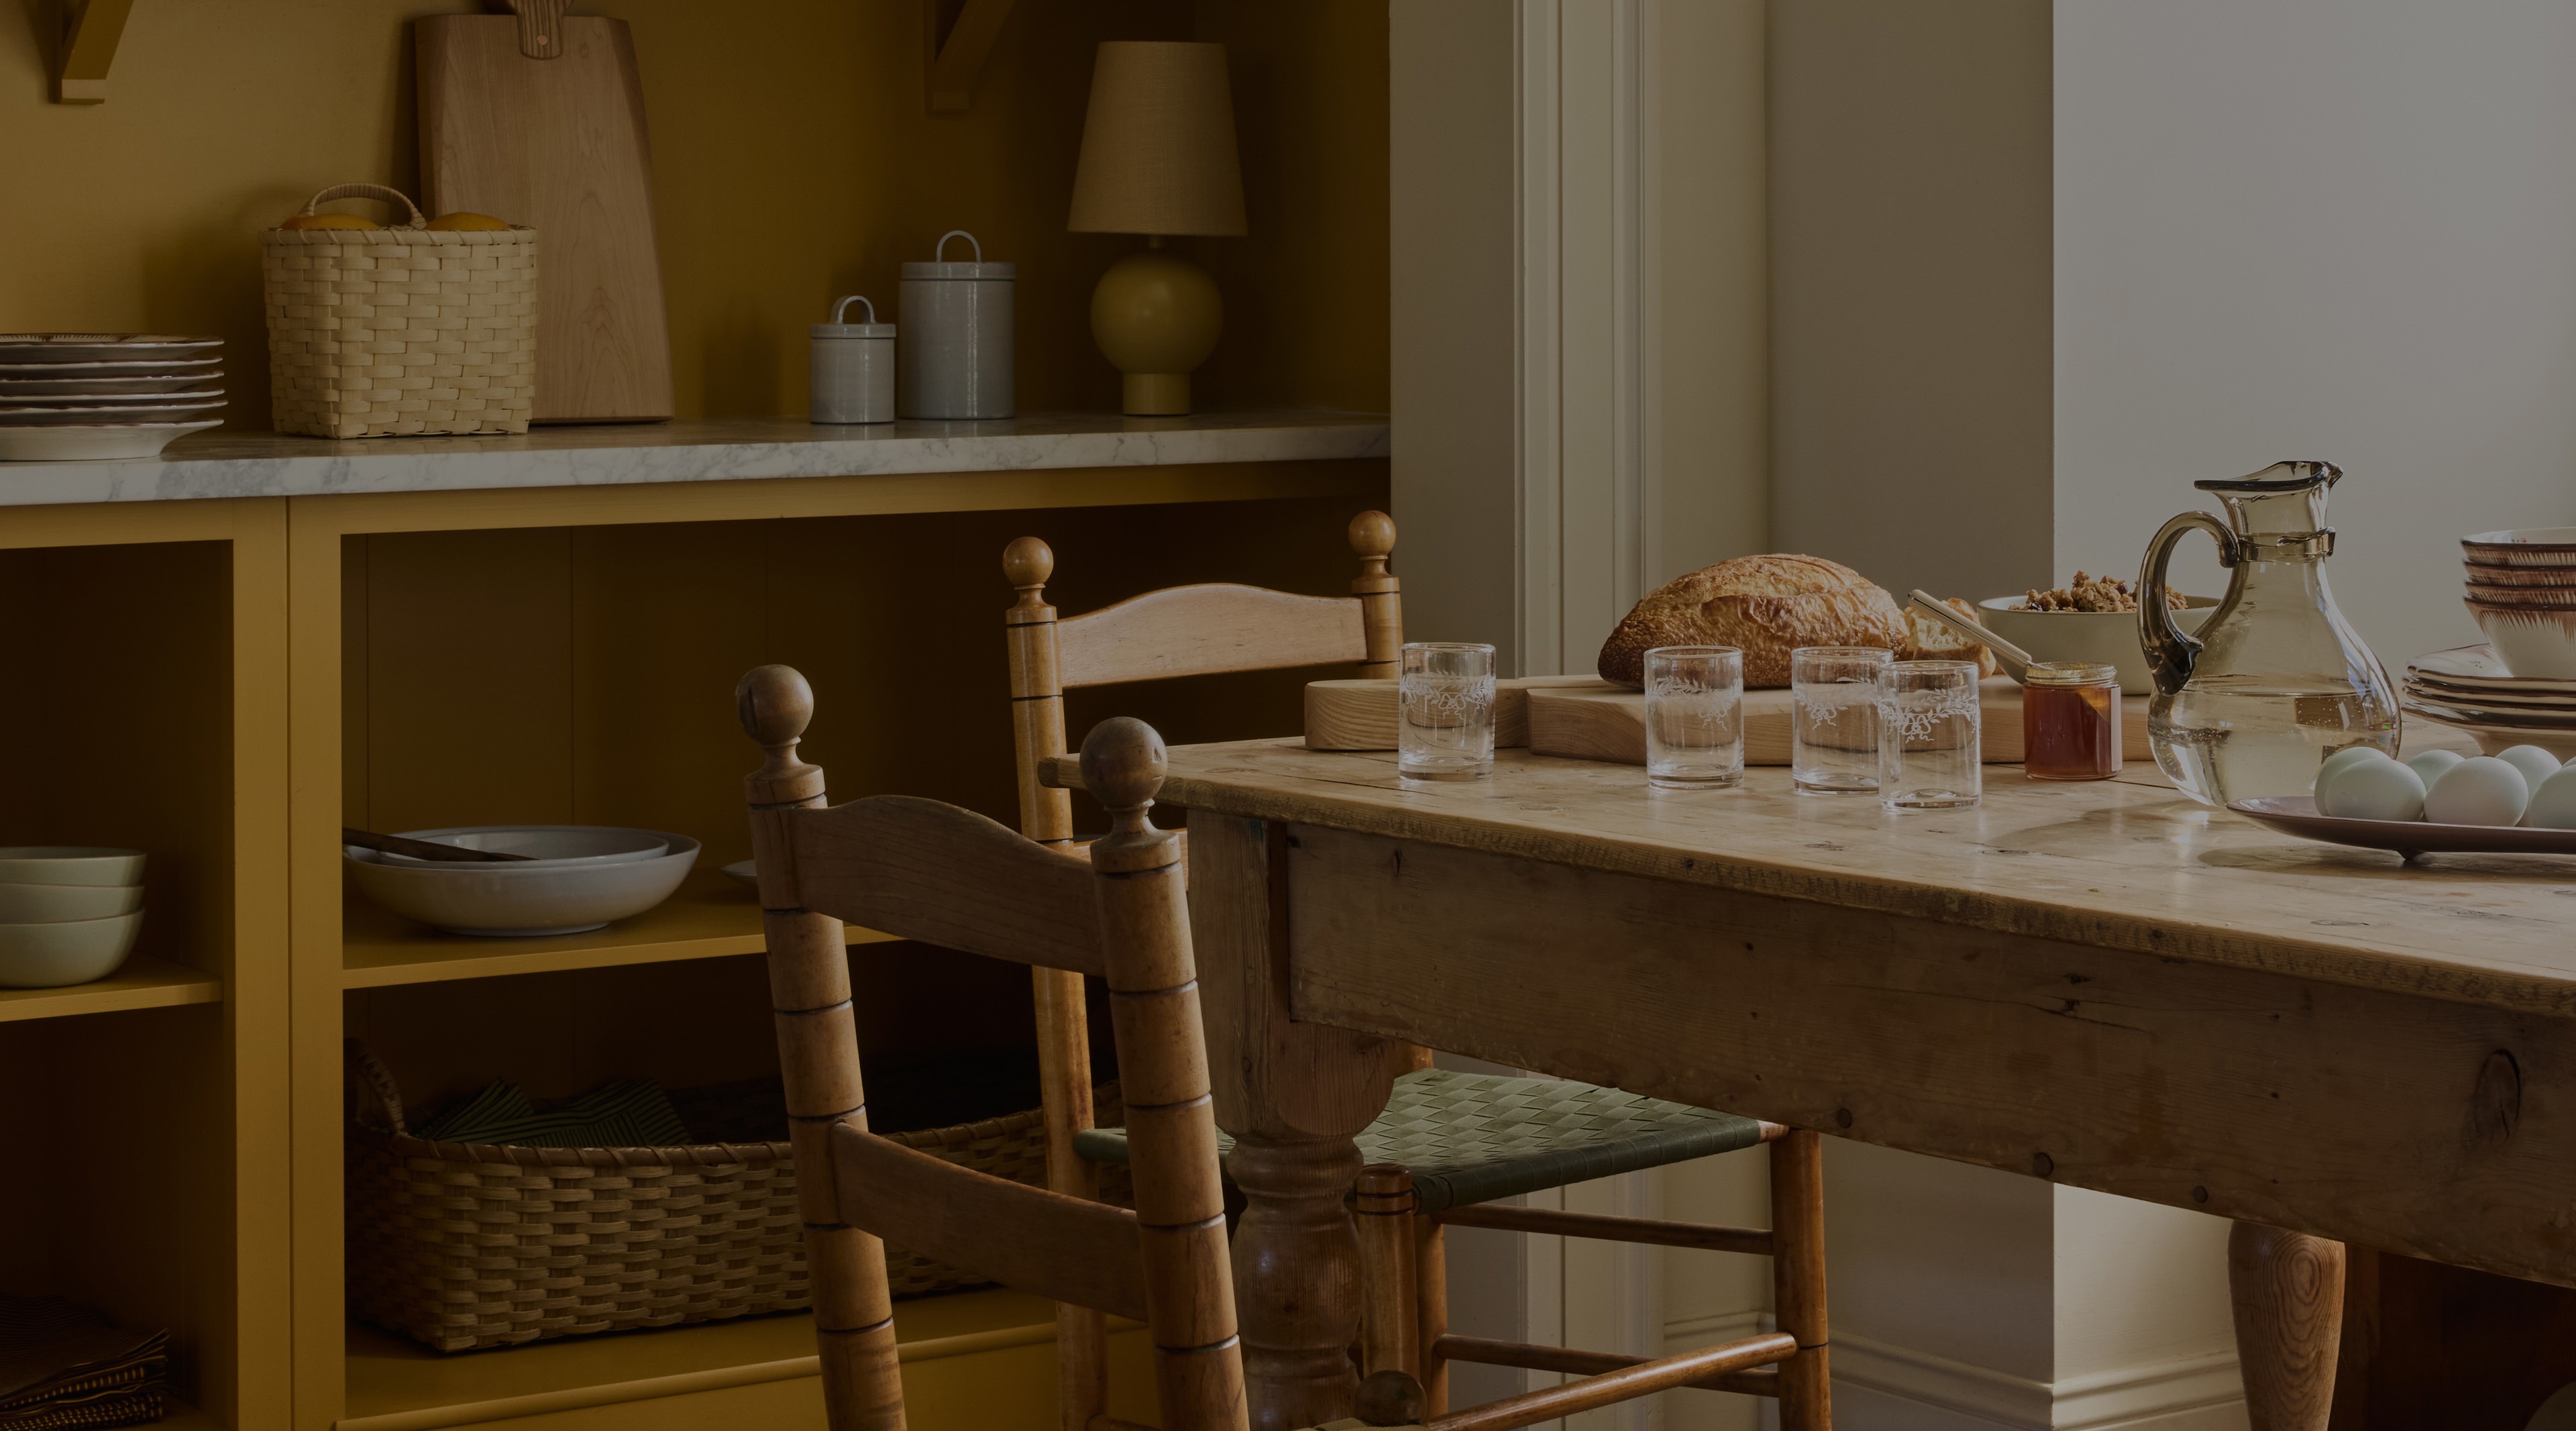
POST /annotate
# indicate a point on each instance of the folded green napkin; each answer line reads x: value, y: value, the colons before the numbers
x: 622, y: 1113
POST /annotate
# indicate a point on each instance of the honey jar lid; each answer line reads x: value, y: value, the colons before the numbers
x: 2069, y: 673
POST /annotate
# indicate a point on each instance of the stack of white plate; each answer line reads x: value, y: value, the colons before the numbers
x: 2471, y: 688
x: 67, y: 396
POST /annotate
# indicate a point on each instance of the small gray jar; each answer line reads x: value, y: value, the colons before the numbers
x: 955, y: 346
x: 853, y: 367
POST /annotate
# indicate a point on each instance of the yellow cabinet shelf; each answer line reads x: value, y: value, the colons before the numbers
x: 710, y: 916
x: 144, y: 983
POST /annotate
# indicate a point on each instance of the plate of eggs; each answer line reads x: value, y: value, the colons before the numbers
x: 2521, y: 800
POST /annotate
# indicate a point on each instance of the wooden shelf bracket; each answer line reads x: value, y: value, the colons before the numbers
x: 86, y: 47
x: 957, y: 51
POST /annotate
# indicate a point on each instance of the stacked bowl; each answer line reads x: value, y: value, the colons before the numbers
x: 2519, y: 688
x: 566, y: 879
x: 71, y: 396
x: 68, y: 913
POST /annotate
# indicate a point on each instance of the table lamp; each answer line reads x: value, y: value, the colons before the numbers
x: 1158, y: 160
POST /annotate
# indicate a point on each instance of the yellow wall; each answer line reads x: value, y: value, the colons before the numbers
x: 794, y: 159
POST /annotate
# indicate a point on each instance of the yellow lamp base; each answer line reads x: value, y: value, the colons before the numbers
x: 1156, y: 317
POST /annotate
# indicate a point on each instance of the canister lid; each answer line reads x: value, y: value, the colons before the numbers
x: 838, y: 329
x: 988, y: 272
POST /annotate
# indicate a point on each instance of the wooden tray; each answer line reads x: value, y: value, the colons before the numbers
x: 1594, y: 720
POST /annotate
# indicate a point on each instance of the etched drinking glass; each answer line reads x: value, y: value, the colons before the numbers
x: 1446, y: 693
x: 1833, y: 719
x: 1929, y: 756
x: 1694, y: 717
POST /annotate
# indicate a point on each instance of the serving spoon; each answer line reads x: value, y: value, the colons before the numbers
x: 421, y: 849
x: 1932, y: 606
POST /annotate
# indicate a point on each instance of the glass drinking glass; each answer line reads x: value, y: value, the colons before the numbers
x: 1446, y: 693
x: 1928, y: 751
x: 1694, y: 717
x: 1833, y: 718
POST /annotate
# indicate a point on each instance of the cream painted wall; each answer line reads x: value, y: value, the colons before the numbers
x: 793, y: 160
x: 1910, y: 333
x: 2333, y: 229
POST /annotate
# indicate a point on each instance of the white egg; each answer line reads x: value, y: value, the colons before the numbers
x: 2373, y: 790
x: 2535, y: 763
x: 2553, y: 805
x: 2429, y: 766
x: 2481, y: 790
x: 2348, y: 756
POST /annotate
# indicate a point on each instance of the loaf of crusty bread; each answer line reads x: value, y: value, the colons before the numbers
x: 1767, y: 605
x: 1929, y: 640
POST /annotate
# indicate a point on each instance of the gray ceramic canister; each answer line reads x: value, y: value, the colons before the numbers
x: 956, y: 341
x: 853, y: 367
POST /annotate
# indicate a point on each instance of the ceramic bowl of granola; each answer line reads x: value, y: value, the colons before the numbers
x: 2058, y: 626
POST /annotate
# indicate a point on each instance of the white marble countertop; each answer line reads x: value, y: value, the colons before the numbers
x: 221, y: 464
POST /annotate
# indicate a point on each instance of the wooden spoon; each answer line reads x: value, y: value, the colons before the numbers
x: 422, y: 849
x: 1932, y: 606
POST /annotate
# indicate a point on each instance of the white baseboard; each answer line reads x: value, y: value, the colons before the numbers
x: 2188, y: 1394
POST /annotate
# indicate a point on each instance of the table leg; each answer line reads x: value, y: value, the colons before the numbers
x: 2288, y: 1292
x: 1297, y: 1279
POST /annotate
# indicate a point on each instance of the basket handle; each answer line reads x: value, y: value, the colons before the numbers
x: 939, y: 254
x: 370, y: 191
x: 376, y: 1081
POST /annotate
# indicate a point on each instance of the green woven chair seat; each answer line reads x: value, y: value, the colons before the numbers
x: 1472, y: 1137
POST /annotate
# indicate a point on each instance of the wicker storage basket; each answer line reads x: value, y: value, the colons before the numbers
x: 465, y: 1245
x: 383, y: 332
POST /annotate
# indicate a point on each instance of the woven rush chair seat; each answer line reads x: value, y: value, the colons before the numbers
x: 1474, y: 1137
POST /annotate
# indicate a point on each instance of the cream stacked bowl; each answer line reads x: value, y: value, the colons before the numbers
x: 68, y: 913
x: 2519, y: 687
x: 88, y: 396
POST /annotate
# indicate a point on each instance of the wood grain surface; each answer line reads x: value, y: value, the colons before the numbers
x: 1206, y: 630
x: 1595, y: 720
x: 559, y: 145
x: 2127, y: 863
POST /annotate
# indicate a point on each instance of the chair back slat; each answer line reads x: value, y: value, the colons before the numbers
x: 1024, y: 1237
x: 1207, y: 630
x: 925, y: 870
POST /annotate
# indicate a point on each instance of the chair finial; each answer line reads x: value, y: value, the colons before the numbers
x: 1028, y: 562
x: 775, y: 705
x: 1122, y: 767
x: 1389, y: 1398
x: 1373, y: 537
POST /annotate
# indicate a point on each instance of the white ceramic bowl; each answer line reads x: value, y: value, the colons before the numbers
x: 16, y: 387
x: 744, y: 872
x: 95, y: 415
x: 2108, y: 638
x: 2522, y: 547
x: 2480, y: 574
x: 60, y: 903
x: 542, y: 844
x: 48, y: 956
x: 2530, y: 642
x: 523, y: 899
x: 102, y: 442
x: 2538, y: 598
x: 70, y: 864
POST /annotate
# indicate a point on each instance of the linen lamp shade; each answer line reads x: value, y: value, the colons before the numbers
x: 1158, y: 144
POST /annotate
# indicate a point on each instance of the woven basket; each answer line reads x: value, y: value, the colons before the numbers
x: 466, y: 1245
x: 384, y: 332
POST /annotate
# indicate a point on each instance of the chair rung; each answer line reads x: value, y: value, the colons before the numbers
x: 1759, y: 1381
x: 1755, y: 1240
x: 1626, y: 1383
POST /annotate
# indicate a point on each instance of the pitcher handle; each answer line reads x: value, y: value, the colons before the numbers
x: 2170, y: 650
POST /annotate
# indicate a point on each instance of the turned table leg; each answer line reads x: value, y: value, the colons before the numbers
x: 2288, y: 1291
x: 1297, y: 1279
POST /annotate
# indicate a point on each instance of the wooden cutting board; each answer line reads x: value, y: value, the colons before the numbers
x: 558, y: 144
x: 1600, y: 721
x: 1360, y: 715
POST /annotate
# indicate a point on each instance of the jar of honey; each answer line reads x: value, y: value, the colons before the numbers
x: 2070, y: 721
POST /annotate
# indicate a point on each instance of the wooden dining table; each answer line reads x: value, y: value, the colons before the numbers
x: 2100, y: 984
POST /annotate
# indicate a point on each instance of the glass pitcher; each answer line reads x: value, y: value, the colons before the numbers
x: 2275, y: 681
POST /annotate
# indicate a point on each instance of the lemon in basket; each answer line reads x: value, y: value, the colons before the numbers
x: 471, y: 223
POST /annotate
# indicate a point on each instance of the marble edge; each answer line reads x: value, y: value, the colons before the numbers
x: 179, y: 476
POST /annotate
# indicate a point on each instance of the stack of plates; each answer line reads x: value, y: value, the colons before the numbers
x: 2470, y: 687
x: 96, y: 395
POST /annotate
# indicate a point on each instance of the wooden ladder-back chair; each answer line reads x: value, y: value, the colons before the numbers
x: 1179, y: 631
x: 1449, y: 1144
x: 924, y: 870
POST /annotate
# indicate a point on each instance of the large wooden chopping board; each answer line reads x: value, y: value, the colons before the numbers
x: 558, y: 144
x: 1600, y: 721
